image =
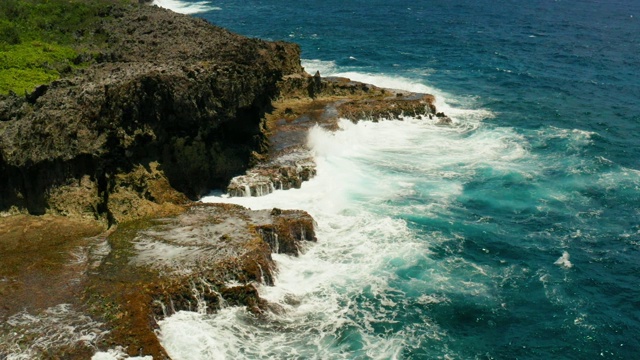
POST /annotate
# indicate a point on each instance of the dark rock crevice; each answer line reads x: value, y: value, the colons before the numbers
x: 28, y: 187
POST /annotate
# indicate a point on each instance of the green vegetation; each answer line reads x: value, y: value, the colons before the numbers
x: 40, y: 40
x: 26, y: 65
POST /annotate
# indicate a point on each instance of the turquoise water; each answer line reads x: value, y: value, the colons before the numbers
x: 513, y: 234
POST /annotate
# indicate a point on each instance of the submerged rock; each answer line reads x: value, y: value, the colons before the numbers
x: 442, y: 119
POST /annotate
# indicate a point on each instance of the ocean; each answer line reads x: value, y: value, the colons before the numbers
x: 513, y: 234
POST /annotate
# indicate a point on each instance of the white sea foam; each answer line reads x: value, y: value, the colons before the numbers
x: 188, y: 336
x: 326, y: 68
x: 117, y: 354
x: 186, y: 7
x: 346, y: 284
x: 32, y: 336
x: 563, y: 261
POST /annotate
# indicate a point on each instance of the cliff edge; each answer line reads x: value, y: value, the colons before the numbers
x: 171, y: 108
x: 114, y: 153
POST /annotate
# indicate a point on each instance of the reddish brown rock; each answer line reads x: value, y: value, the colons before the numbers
x: 208, y: 257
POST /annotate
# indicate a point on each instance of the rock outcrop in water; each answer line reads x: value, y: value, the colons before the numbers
x: 306, y: 101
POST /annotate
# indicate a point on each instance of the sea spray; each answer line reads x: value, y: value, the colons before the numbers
x: 343, y: 286
x: 186, y: 7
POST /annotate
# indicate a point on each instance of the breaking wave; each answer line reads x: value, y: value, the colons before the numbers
x: 186, y: 7
x: 349, y: 295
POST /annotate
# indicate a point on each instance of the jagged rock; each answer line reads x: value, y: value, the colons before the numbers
x: 285, y: 171
x: 315, y: 85
x: 307, y: 101
x: 389, y: 108
x: 206, y: 235
x: 11, y: 107
x: 443, y: 119
x: 169, y: 89
x: 208, y: 257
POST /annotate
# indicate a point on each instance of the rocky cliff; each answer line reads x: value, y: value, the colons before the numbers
x: 171, y: 108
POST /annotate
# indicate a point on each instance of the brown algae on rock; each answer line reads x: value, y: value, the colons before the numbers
x: 207, y: 257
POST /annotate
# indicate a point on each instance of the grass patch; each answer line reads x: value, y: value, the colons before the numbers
x: 27, y: 65
x: 41, y: 40
x: 35, y: 54
x: 23, y: 81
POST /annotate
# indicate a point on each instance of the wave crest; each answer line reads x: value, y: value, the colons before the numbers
x: 186, y: 7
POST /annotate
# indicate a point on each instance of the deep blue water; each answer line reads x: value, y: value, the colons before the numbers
x: 572, y: 64
x: 559, y: 82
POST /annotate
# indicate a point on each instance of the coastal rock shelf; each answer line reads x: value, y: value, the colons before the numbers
x: 306, y: 101
x: 120, y: 283
x: 208, y: 257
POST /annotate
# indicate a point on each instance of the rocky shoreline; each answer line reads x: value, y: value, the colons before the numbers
x: 101, y: 172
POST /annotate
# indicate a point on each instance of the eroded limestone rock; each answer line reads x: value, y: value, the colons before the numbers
x: 165, y: 89
x: 205, y: 258
x: 285, y: 171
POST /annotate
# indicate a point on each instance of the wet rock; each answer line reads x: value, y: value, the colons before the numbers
x: 44, y: 268
x: 197, y: 253
x: 244, y: 295
x: 207, y: 235
x: 285, y: 171
x: 388, y: 108
x: 287, y: 231
x: 445, y: 120
x: 306, y: 101
x: 442, y: 119
x: 206, y: 258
